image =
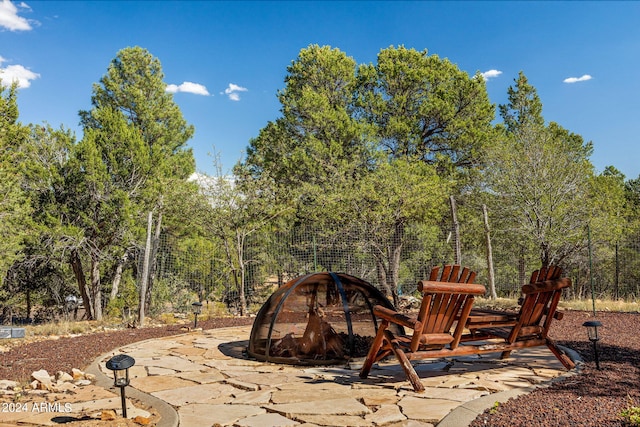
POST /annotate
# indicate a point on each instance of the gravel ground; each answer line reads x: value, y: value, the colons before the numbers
x: 592, y: 398
x: 66, y: 353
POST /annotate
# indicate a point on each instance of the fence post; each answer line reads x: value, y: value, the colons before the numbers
x: 145, y: 271
x: 492, y: 280
x: 593, y: 290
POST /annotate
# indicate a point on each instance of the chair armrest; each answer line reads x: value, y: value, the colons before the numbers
x: 547, y: 286
x: 395, y: 317
x: 430, y: 286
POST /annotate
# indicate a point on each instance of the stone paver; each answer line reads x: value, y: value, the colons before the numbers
x: 155, y: 383
x: 207, y: 415
x: 430, y: 410
x: 193, y: 394
x: 344, y: 406
x: 386, y: 414
x: 273, y: 420
x: 203, y: 377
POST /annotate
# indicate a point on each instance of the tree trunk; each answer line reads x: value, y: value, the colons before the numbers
x: 234, y: 274
x: 522, y: 279
x: 28, y: 296
x: 76, y: 266
x: 544, y: 254
x: 381, y: 272
x: 243, y: 299
x: 117, y: 276
x: 395, y: 251
x: 145, y: 273
x: 96, y: 290
x: 456, y: 230
x: 491, y: 274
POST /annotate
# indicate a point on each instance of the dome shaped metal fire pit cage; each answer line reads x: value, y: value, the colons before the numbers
x: 317, y: 319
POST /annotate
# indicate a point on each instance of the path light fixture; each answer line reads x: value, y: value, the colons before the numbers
x: 592, y: 329
x: 120, y: 365
x: 197, y: 309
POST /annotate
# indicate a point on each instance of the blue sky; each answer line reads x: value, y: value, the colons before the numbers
x: 225, y: 61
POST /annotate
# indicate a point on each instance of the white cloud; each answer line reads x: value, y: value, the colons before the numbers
x: 188, y: 87
x: 9, y: 18
x: 232, y: 91
x: 577, y: 79
x: 490, y: 74
x: 18, y: 74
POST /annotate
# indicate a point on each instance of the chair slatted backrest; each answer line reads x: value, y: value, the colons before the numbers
x: 446, y: 294
x: 541, y: 299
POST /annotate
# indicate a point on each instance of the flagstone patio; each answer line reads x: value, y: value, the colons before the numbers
x: 209, y: 380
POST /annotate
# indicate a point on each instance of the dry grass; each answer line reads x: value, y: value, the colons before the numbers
x: 67, y: 327
x: 603, y: 305
x: 578, y: 305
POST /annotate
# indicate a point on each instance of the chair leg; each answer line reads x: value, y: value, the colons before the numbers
x: 411, y: 374
x: 372, y: 355
x: 505, y: 354
x: 561, y: 355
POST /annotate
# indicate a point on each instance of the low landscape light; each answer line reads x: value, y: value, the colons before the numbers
x: 197, y: 309
x: 120, y: 365
x: 592, y: 331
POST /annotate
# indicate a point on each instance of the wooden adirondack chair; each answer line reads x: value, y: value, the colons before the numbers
x: 447, y: 299
x: 530, y: 326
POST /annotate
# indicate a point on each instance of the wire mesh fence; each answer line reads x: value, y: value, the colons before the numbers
x: 211, y: 269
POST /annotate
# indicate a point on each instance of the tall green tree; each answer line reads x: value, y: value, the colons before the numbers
x: 102, y: 204
x: 373, y: 136
x: 32, y: 160
x: 45, y: 154
x: 425, y: 108
x: 524, y: 109
x: 15, y: 209
x: 234, y: 211
x: 431, y: 122
x: 632, y: 201
x: 542, y: 180
x: 317, y: 144
x: 386, y: 203
x: 629, y: 250
x: 134, y: 86
x: 134, y: 145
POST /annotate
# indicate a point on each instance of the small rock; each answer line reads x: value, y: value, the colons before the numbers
x: 108, y: 415
x: 77, y: 374
x: 143, y: 421
x: 62, y: 387
x: 7, y: 385
x: 44, y: 387
x: 43, y: 377
x: 63, y: 376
